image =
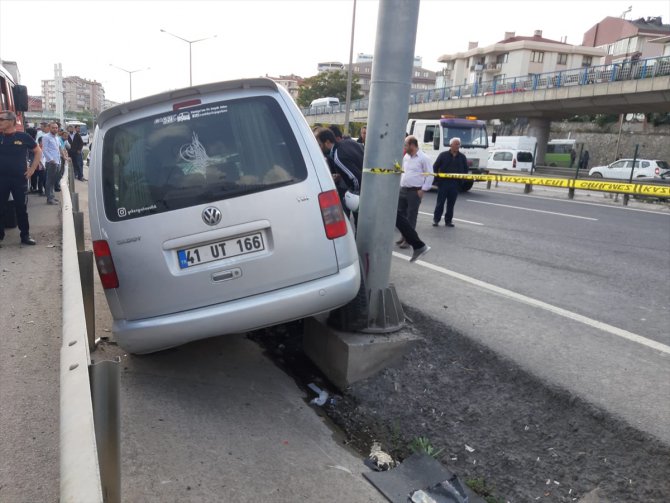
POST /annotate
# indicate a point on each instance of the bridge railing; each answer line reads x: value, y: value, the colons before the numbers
x: 583, y: 76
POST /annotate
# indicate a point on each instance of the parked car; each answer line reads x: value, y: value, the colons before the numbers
x: 620, y: 170
x: 223, y: 223
x: 510, y: 159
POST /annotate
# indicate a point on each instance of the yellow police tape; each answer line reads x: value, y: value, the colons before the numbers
x: 570, y: 183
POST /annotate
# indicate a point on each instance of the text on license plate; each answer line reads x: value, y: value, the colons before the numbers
x: 222, y: 249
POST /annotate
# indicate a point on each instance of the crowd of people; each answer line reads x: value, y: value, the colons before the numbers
x: 34, y: 162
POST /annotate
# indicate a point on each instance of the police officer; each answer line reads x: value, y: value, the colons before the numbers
x: 15, y: 172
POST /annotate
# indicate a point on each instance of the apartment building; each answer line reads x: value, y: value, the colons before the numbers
x: 80, y: 95
x: 514, y: 56
x: 624, y: 39
x: 422, y: 78
x: 289, y: 82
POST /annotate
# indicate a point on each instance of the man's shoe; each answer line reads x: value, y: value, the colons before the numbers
x: 435, y: 224
x: 400, y: 241
x: 57, y: 189
x: 419, y: 252
x: 449, y: 224
x: 28, y: 241
x: 52, y: 201
x: 404, y: 245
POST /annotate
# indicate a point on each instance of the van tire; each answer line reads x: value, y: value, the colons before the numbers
x: 466, y: 185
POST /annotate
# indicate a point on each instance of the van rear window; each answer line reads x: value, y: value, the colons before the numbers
x: 524, y: 157
x: 196, y: 156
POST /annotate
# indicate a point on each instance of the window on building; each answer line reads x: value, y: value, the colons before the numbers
x: 587, y: 61
x: 562, y: 59
x: 537, y: 56
x: 502, y: 58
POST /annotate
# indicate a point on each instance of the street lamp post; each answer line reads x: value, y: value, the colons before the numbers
x: 130, y: 77
x: 190, y: 52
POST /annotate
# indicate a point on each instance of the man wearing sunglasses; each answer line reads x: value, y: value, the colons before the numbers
x: 15, y: 172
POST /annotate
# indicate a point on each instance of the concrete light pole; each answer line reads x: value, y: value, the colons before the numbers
x: 389, y: 105
x: 130, y: 78
x: 190, y: 52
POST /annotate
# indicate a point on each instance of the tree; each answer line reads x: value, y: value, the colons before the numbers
x: 330, y: 83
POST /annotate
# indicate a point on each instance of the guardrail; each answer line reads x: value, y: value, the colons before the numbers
x: 89, y: 412
x: 583, y: 76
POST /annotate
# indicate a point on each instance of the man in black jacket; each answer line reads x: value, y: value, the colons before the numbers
x: 451, y: 161
x: 75, y: 152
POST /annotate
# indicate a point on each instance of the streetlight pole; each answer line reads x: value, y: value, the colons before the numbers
x: 350, y: 72
x: 190, y: 52
x: 130, y: 77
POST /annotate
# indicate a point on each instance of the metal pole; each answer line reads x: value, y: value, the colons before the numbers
x: 618, y: 139
x: 350, y: 72
x: 389, y: 92
x: 626, y: 197
x: 130, y: 81
x: 190, y: 64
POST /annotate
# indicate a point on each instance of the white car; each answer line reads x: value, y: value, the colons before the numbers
x: 620, y: 170
x: 510, y: 160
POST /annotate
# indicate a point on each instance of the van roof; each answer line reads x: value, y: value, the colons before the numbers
x: 185, y: 93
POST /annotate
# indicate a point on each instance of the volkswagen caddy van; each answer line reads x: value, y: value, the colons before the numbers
x: 213, y: 212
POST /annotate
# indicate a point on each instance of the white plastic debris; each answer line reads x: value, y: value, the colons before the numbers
x: 469, y: 449
x: 382, y: 460
x: 323, y: 394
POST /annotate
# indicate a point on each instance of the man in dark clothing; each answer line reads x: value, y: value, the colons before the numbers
x: 347, y: 160
x: 75, y: 152
x: 584, y: 161
x: 15, y: 172
x: 451, y: 161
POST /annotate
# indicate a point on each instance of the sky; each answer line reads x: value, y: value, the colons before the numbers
x: 251, y: 38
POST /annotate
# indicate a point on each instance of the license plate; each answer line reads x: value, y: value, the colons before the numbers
x: 232, y: 247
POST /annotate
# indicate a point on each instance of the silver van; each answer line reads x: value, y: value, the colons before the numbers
x: 212, y: 212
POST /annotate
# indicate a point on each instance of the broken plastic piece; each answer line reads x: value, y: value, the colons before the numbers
x: 380, y: 460
x: 447, y: 491
x: 323, y: 394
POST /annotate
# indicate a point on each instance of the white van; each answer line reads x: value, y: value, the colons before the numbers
x: 83, y: 129
x: 322, y: 105
x: 506, y: 159
x: 223, y: 223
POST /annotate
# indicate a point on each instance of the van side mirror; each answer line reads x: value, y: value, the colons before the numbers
x: 493, y: 137
x: 20, y: 98
x: 436, y: 142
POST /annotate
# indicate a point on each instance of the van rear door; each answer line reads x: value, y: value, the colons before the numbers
x: 215, y: 203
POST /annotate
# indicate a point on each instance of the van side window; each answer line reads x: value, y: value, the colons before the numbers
x: 208, y: 153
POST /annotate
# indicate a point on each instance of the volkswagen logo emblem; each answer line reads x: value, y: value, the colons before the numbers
x: 211, y: 215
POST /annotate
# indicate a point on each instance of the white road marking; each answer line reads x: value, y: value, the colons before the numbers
x: 456, y: 219
x: 572, y: 201
x: 532, y: 209
x: 624, y: 334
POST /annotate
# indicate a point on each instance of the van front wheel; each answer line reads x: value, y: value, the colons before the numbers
x: 466, y: 185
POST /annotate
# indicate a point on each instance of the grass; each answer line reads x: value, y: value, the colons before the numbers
x: 423, y: 445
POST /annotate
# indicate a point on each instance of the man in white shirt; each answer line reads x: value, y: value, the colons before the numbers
x: 52, y: 152
x: 414, y: 181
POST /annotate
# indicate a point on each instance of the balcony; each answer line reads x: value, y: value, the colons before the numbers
x: 492, y: 67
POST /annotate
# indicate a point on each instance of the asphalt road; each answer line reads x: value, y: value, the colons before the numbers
x: 574, y: 291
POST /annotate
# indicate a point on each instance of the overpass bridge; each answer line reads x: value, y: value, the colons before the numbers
x: 640, y: 87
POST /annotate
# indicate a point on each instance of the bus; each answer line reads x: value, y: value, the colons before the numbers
x: 434, y: 135
x: 558, y: 152
x: 13, y: 97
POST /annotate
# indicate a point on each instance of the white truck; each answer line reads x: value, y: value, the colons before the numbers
x: 434, y: 135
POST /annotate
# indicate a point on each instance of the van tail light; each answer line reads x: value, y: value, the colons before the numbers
x: 514, y: 163
x: 105, y: 265
x: 334, y: 220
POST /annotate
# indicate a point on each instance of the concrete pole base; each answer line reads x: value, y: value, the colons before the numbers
x: 346, y: 357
